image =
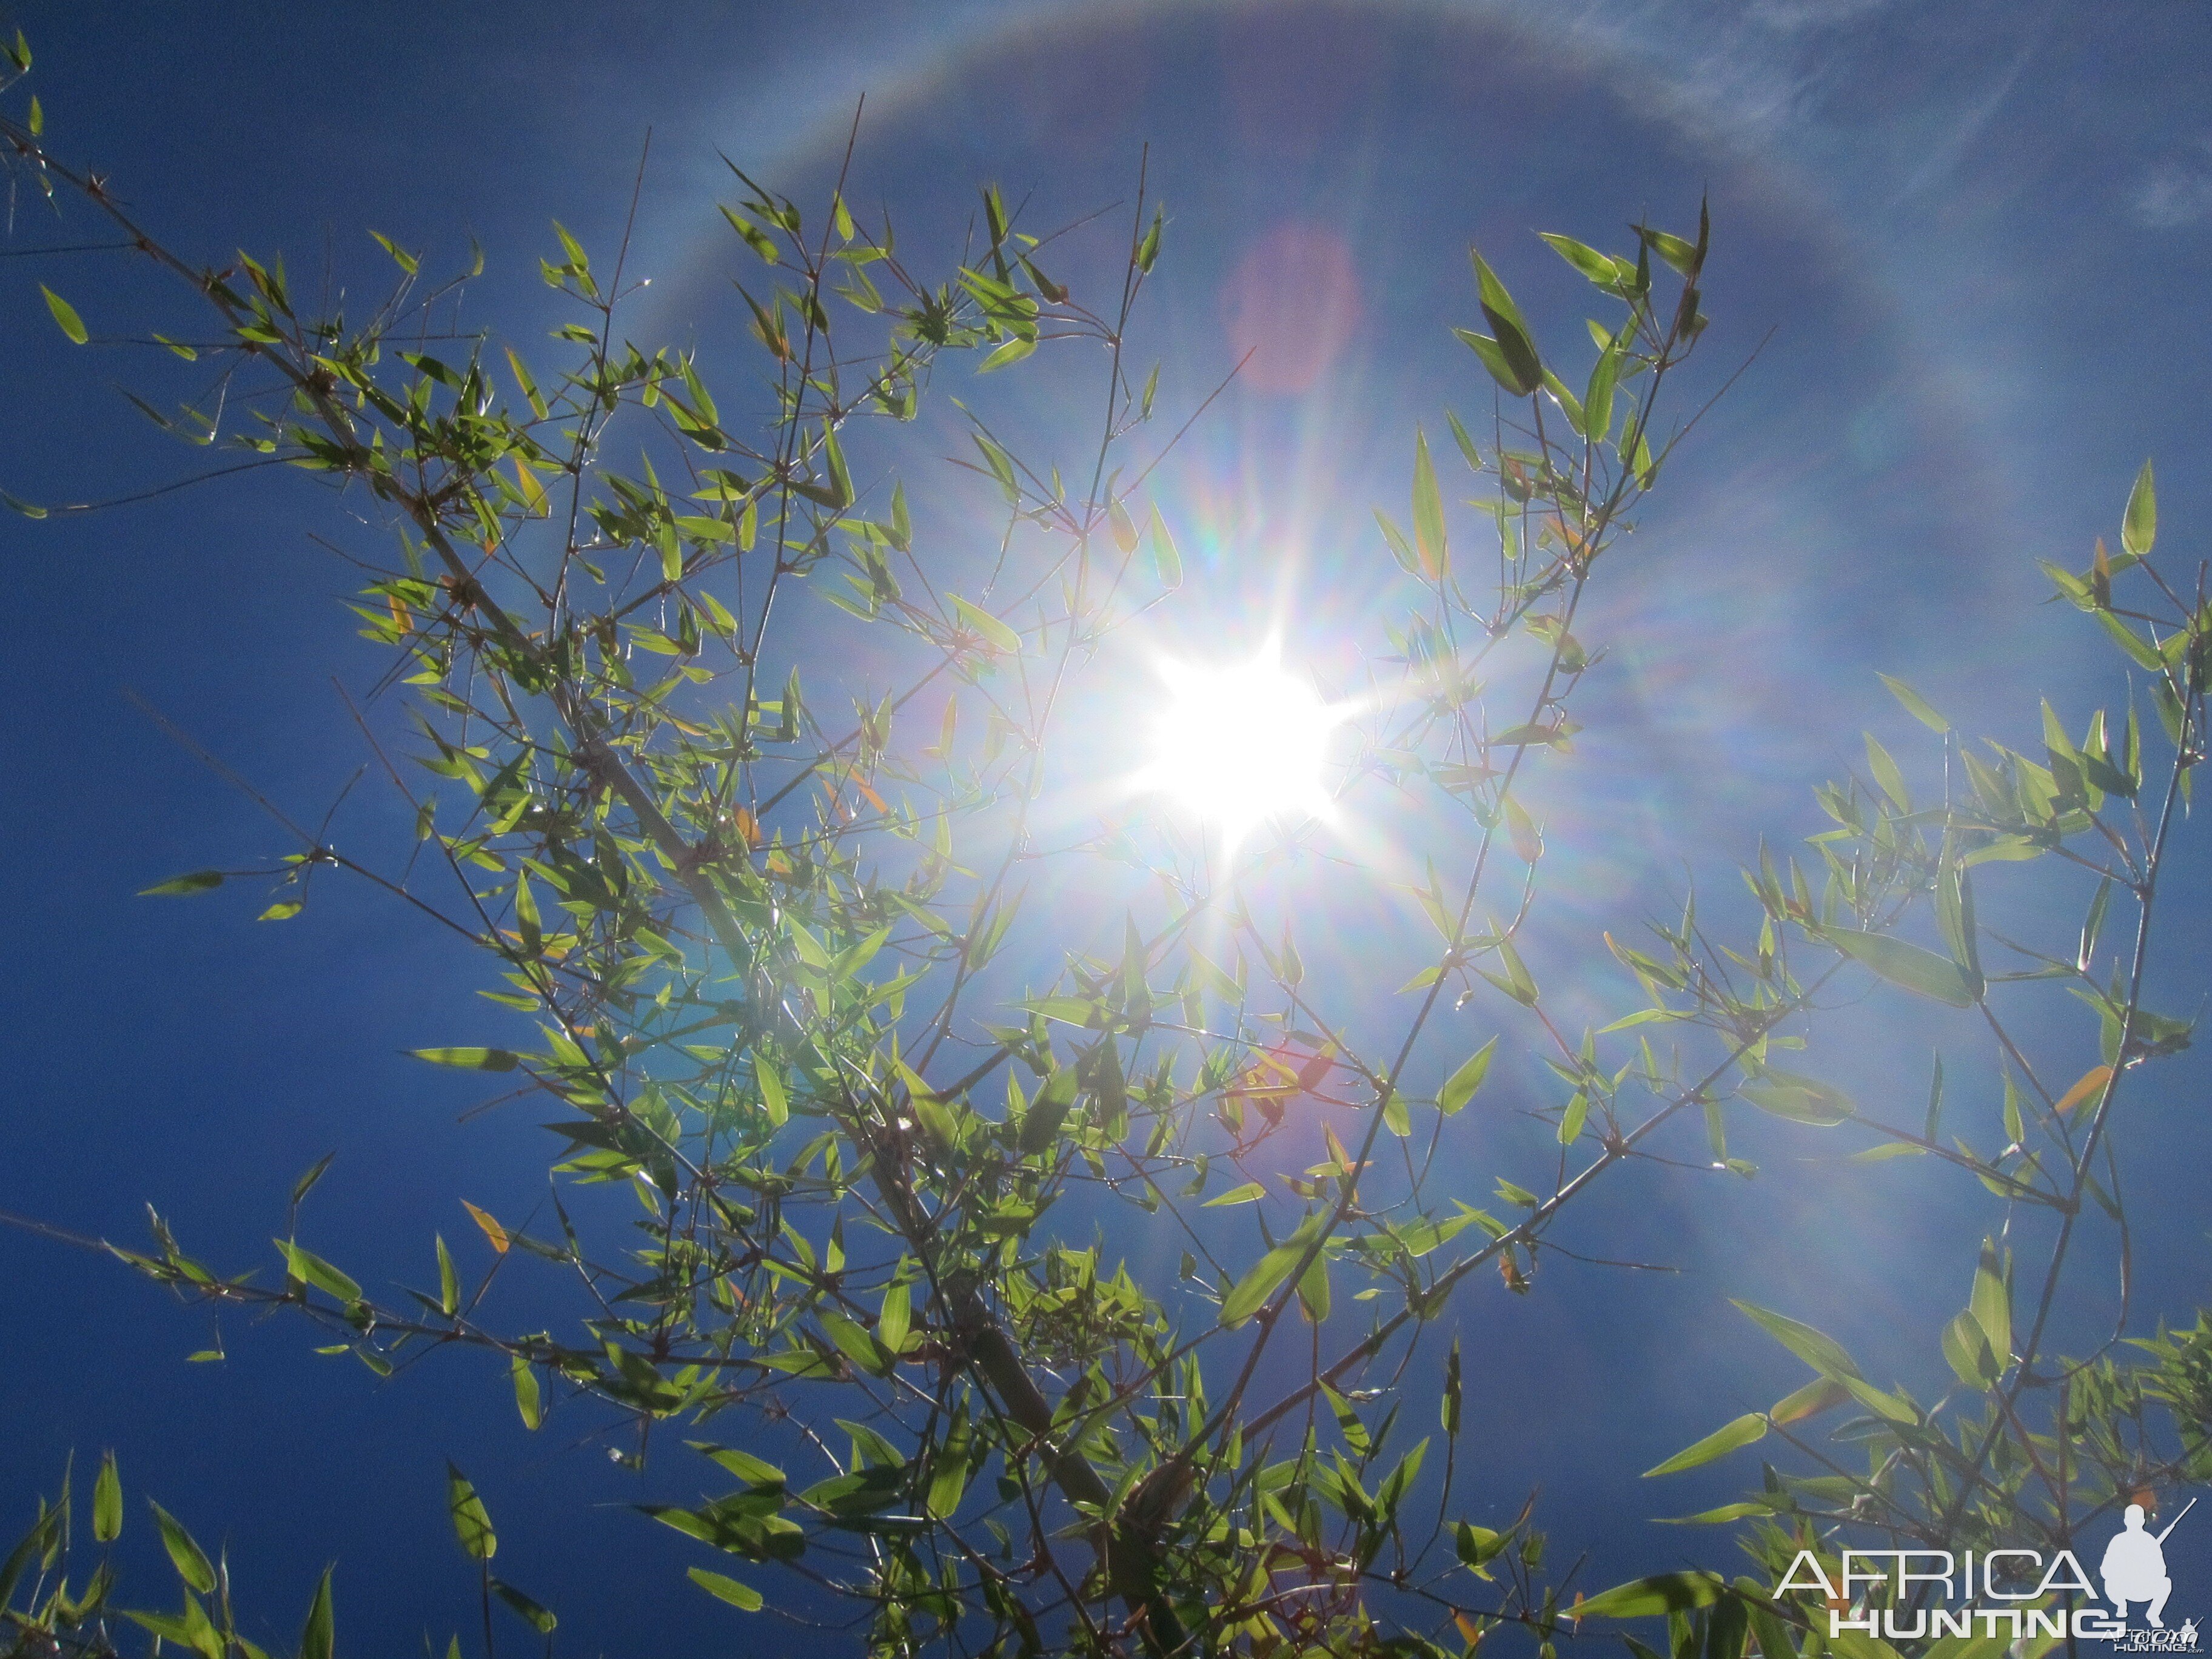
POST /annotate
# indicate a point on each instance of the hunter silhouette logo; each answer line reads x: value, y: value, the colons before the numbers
x: 2134, y: 1570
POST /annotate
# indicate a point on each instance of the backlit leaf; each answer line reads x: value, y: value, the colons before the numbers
x: 981, y: 622
x: 492, y: 1230
x: 1816, y: 1348
x: 2092, y: 1082
x: 64, y: 315
x: 469, y: 1060
x: 311, y: 1269
x: 199, y: 881
x: 1460, y: 1086
x: 1166, y: 560
x: 1915, y: 704
x: 1428, y: 513
x: 107, y: 1503
x: 2138, y: 530
x: 1722, y: 1441
x: 528, y: 1402
x: 1920, y: 971
x: 471, y: 1521
x: 744, y: 1597
x: 540, y: 1619
x: 189, y: 1558
x: 319, y: 1636
x: 1653, y: 1597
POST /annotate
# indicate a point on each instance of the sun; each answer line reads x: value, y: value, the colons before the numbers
x: 1242, y: 745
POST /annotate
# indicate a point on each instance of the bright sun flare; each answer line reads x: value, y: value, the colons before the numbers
x: 1241, y: 744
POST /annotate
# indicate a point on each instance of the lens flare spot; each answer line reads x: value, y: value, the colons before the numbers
x: 1291, y: 306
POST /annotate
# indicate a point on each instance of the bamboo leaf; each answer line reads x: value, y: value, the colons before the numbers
x: 2138, y: 530
x: 981, y: 622
x: 1751, y: 1426
x: 471, y: 1521
x: 107, y: 1503
x: 187, y: 1557
x: 1429, y: 543
x: 319, y: 1636
x: 1816, y: 1348
x: 1650, y: 1598
x: 65, y: 315
x: 1460, y: 1086
x: 1920, y: 971
x: 744, y: 1597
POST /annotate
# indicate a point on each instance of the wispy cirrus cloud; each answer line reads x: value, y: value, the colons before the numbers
x: 2177, y: 190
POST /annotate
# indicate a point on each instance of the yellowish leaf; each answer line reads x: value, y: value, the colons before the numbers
x: 492, y: 1230
x: 2092, y: 1082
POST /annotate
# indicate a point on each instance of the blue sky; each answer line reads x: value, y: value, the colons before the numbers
x: 1976, y: 231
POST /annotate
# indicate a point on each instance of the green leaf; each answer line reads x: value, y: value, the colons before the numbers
x: 1822, y: 1394
x: 469, y: 1060
x: 1503, y: 369
x: 1920, y: 971
x: 1649, y: 1598
x: 744, y: 1597
x: 1800, y: 1099
x: 1719, y: 1517
x: 314, y: 1173
x: 896, y: 1319
x: 449, y: 1283
x: 1816, y: 1348
x: 1468, y: 451
x: 1429, y: 541
x: 107, y: 1503
x: 318, y: 1636
x: 774, y: 1100
x: 1165, y: 559
x: 1966, y: 1347
x: 1040, y: 1123
x: 1515, y: 346
x: 1915, y: 704
x: 854, y: 1342
x: 400, y: 257
x: 1991, y: 1304
x: 311, y: 1269
x: 189, y: 1558
x: 527, y: 1399
x: 1460, y: 1086
x: 1887, y: 775
x: 1598, y: 267
x: 950, y: 1468
x: 1597, y: 396
x: 1012, y: 352
x: 1148, y: 251
x: 199, y: 881
x: 1751, y: 1426
x: 759, y: 1475
x: 540, y: 1619
x: 2144, y: 653
x: 471, y: 1521
x: 1250, y: 1192
x: 982, y: 621
x: 64, y: 315
x: 29, y: 1547
x: 2138, y: 530
x: 1250, y: 1293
